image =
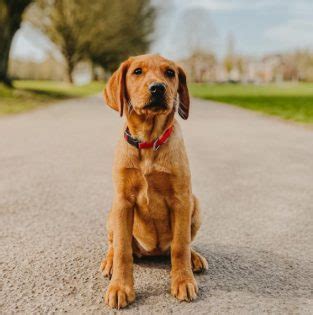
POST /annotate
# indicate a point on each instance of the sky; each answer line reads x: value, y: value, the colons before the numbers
x: 256, y: 27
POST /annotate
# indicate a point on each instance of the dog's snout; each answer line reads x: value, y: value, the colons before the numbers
x: 157, y: 88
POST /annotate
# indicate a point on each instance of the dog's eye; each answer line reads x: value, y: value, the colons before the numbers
x: 170, y: 73
x: 138, y: 71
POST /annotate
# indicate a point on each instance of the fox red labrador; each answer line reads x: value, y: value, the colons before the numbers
x: 154, y: 211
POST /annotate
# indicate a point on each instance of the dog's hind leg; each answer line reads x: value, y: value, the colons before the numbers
x: 198, y: 262
x: 106, y: 266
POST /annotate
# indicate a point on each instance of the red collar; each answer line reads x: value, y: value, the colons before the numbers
x: 146, y: 145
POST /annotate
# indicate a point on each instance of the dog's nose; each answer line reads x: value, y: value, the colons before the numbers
x: 157, y: 89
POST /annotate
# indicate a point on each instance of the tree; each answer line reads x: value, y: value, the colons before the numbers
x: 186, y: 31
x: 11, y: 13
x: 63, y: 22
x: 119, y: 29
x: 104, y: 32
x: 229, y: 60
x: 200, y: 66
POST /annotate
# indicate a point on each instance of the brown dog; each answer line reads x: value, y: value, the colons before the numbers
x: 154, y: 211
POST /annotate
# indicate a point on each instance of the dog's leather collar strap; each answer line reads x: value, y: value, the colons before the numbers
x: 146, y: 145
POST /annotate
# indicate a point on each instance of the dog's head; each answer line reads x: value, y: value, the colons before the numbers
x: 149, y: 85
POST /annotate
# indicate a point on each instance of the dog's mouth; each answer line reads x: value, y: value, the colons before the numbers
x: 156, y: 104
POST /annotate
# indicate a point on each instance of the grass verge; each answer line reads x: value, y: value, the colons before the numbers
x: 27, y: 95
x: 289, y: 100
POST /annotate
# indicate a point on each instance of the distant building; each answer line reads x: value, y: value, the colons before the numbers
x: 297, y: 66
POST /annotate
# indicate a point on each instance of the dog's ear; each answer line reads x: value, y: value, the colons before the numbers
x: 184, y: 101
x: 115, y: 93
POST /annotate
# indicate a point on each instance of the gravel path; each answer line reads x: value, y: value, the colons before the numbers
x: 253, y: 175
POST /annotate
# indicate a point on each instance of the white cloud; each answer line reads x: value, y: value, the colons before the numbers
x: 232, y: 5
x: 301, y: 9
x: 210, y: 4
x: 295, y: 33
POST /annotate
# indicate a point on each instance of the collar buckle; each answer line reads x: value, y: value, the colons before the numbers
x: 156, y: 145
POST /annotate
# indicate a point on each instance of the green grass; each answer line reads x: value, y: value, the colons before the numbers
x: 27, y: 95
x: 289, y: 100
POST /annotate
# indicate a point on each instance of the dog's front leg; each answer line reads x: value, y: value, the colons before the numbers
x: 121, y: 288
x: 183, y: 283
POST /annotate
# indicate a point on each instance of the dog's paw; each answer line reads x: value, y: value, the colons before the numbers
x: 198, y: 262
x: 106, y: 266
x: 119, y: 295
x: 184, y: 289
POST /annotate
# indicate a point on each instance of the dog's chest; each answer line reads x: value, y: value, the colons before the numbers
x: 152, y: 227
x: 155, y: 189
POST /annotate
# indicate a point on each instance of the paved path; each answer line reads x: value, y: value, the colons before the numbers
x: 253, y: 175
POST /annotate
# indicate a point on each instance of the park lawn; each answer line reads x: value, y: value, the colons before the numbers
x: 292, y: 101
x: 27, y: 95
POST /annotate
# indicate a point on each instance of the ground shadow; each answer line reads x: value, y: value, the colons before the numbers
x: 258, y: 272
x: 52, y: 94
x: 262, y: 273
x: 156, y: 262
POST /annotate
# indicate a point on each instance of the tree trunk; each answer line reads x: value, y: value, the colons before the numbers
x: 5, y: 45
x: 8, y: 28
x: 70, y: 69
x: 70, y: 76
x: 94, y: 74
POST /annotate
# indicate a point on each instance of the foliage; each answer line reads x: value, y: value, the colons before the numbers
x: 231, y: 62
x: 62, y: 22
x: 289, y: 101
x: 297, y: 65
x: 123, y: 28
x: 31, y: 94
x: 105, y: 32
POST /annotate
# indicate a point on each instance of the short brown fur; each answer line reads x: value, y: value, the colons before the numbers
x: 154, y: 211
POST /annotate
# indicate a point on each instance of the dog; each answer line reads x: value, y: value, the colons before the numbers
x: 154, y: 211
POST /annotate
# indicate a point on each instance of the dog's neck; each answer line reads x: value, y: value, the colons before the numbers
x: 148, y: 128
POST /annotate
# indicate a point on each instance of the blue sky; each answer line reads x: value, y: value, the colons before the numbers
x: 257, y: 26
